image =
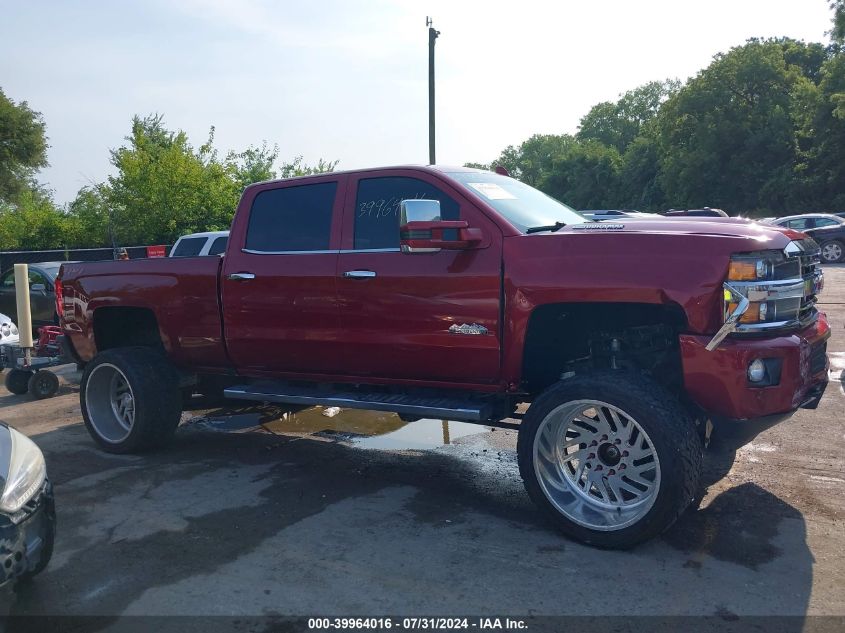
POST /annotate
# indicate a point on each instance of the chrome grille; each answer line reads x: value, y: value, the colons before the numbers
x: 811, y: 273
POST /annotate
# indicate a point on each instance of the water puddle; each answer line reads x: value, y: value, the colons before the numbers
x: 421, y: 434
x: 361, y: 428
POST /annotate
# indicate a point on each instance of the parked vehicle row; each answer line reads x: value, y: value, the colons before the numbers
x: 42, y: 296
x: 826, y: 228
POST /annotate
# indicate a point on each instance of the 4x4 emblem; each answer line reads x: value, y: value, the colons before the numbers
x: 465, y: 328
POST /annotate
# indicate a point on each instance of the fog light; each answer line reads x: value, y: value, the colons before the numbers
x: 756, y: 371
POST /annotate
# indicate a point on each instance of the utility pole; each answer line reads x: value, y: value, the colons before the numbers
x: 432, y: 36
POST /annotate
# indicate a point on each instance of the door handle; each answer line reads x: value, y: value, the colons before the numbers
x: 241, y: 276
x: 359, y: 274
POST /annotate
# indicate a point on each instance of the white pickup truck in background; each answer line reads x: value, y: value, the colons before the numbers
x: 199, y: 244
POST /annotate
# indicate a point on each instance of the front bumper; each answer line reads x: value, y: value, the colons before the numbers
x: 718, y: 384
x: 26, y: 547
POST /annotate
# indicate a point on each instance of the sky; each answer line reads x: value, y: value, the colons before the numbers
x: 347, y: 79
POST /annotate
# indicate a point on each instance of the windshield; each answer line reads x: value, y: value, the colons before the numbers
x: 521, y: 205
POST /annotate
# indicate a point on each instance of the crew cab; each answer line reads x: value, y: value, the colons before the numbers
x: 452, y: 293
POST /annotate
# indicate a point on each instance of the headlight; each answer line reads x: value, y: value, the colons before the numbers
x: 770, y: 289
x: 27, y: 473
x: 773, y: 284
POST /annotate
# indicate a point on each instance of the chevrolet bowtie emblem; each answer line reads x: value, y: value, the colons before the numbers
x: 466, y: 328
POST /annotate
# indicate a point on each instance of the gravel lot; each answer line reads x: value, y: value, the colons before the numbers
x: 250, y: 512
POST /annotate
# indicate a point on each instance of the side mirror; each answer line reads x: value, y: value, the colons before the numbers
x: 38, y: 288
x: 421, y: 229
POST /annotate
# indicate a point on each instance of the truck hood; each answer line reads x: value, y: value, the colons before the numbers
x: 669, y: 262
x: 758, y: 236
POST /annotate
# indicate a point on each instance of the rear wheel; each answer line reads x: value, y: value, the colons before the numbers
x: 832, y: 252
x: 130, y: 399
x: 611, y: 457
x: 17, y: 381
x: 43, y: 384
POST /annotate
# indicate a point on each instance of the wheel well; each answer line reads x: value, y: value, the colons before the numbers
x: 573, y: 337
x: 125, y: 327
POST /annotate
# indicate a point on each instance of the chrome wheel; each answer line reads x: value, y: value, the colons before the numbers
x: 596, y: 465
x: 110, y: 403
x: 832, y: 252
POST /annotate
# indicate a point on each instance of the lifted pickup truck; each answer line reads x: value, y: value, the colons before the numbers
x: 459, y: 294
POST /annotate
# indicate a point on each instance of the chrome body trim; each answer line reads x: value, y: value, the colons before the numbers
x: 359, y: 274
x: 731, y: 322
x: 335, y: 251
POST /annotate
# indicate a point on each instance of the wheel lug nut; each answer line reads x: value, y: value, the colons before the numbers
x: 611, y: 472
x: 622, y: 466
x: 594, y: 443
x: 624, y: 453
x: 604, y: 438
x: 617, y: 441
x: 591, y: 456
x: 588, y: 465
x: 599, y: 467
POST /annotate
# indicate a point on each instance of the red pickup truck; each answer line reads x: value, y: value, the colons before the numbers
x: 459, y: 294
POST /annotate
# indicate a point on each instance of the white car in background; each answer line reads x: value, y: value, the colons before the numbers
x: 200, y: 244
x: 8, y: 331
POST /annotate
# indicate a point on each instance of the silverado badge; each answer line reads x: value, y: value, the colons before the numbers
x: 465, y: 328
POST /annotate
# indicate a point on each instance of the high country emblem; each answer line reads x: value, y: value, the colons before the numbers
x: 599, y: 226
x: 465, y: 328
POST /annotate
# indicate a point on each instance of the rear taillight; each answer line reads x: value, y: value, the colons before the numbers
x: 60, y: 304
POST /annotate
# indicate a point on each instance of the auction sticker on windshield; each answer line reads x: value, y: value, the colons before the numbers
x: 491, y: 191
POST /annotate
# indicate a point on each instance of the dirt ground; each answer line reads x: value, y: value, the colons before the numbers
x: 255, y: 510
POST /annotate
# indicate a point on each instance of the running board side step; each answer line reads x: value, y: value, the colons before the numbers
x: 424, y: 407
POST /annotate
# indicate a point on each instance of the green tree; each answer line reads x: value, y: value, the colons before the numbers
x: 23, y: 147
x: 33, y: 222
x: 639, y: 184
x: 585, y: 176
x: 89, y: 221
x: 838, y: 31
x: 618, y: 124
x: 823, y: 168
x: 298, y: 167
x: 164, y: 188
x: 533, y: 159
x: 729, y: 137
x: 255, y: 164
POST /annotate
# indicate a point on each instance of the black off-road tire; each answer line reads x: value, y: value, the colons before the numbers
x: 673, y: 434
x: 157, y: 398
x: 17, y: 381
x: 43, y: 384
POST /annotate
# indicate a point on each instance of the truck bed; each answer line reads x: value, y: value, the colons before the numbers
x: 182, y: 294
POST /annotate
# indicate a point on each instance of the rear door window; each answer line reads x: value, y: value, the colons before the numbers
x: 189, y: 247
x: 799, y: 225
x: 218, y: 246
x: 377, y: 209
x: 292, y: 219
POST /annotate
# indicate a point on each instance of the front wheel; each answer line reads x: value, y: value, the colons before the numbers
x: 610, y: 456
x: 130, y: 399
x: 832, y: 252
